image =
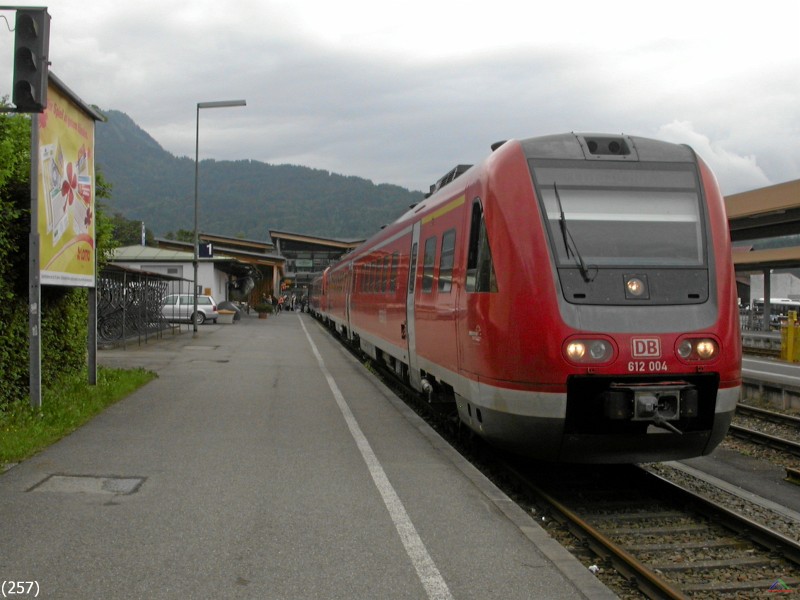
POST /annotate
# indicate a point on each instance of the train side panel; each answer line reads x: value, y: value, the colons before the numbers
x: 504, y: 333
x: 378, y: 295
x: 439, y: 280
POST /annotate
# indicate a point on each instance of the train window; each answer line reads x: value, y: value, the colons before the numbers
x: 393, y: 278
x: 480, y: 268
x: 446, y: 261
x: 364, y: 280
x: 412, y: 269
x: 387, y: 272
x: 428, y: 264
x: 637, y: 214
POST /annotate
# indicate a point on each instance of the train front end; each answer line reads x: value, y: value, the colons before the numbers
x: 643, y: 308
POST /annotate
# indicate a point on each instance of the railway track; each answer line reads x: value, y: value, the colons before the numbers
x: 756, y: 351
x: 664, y: 538
x: 765, y: 439
x: 768, y: 415
x: 775, y: 430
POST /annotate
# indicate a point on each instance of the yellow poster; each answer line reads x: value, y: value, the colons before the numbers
x: 66, y: 189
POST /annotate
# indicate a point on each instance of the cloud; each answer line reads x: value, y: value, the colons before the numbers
x: 401, y: 92
x: 736, y: 173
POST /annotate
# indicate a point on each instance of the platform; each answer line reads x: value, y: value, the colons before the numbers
x: 265, y: 462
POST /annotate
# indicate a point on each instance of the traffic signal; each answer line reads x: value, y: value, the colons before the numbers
x: 31, y: 41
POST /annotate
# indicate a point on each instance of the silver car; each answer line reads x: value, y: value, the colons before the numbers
x: 180, y: 307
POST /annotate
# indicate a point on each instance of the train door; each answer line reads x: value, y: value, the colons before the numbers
x: 348, y: 294
x: 413, y: 364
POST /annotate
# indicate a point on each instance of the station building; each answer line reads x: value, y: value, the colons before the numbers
x: 307, y: 256
x: 766, y: 254
x: 232, y: 268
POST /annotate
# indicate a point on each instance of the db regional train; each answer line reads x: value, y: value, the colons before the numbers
x: 572, y: 295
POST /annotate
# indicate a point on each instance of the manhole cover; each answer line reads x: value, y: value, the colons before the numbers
x: 88, y: 484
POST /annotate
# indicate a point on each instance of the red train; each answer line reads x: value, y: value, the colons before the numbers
x: 573, y: 296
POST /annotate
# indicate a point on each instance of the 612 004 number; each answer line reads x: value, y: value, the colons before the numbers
x: 651, y: 366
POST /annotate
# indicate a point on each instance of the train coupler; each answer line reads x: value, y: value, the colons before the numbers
x: 659, y: 404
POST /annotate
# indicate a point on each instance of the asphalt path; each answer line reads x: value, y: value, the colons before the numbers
x: 264, y: 463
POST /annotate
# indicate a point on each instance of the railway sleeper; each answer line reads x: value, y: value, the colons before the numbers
x: 643, y: 515
x: 699, y: 545
x: 711, y: 565
x: 760, y: 585
x: 656, y: 530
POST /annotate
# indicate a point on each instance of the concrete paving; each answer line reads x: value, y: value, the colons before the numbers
x: 265, y: 462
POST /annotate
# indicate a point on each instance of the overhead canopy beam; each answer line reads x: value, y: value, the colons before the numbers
x: 766, y: 212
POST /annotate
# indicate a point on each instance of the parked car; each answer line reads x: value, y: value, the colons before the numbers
x: 180, y: 307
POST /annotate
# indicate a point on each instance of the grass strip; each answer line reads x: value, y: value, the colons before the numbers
x: 67, y: 405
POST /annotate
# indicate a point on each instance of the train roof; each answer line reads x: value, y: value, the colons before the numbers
x: 602, y: 146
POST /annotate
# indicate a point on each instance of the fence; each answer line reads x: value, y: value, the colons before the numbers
x: 129, y: 304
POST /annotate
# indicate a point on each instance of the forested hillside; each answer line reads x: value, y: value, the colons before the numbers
x: 238, y: 198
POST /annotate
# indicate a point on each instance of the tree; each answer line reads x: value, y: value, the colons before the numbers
x: 15, y: 160
x: 103, y: 226
x: 128, y: 232
x: 182, y: 235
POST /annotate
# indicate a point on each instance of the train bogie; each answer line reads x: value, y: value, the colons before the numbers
x: 573, y: 296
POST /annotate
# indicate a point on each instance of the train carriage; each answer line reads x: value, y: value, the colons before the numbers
x: 572, y: 295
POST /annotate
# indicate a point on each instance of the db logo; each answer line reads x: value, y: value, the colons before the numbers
x: 646, y: 347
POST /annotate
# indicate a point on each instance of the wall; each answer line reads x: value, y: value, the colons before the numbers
x: 207, y: 276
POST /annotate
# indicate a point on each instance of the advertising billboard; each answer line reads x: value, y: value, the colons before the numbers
x: 66, y: 192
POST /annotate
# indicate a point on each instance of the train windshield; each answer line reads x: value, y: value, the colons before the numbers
x: 613, y: 215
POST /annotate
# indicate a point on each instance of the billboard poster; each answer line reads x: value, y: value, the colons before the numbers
x: 66, y: 190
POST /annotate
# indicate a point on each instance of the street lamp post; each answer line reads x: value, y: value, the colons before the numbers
x: 219, y: 104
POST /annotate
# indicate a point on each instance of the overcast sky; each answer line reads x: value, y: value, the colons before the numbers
x: 400, y: 92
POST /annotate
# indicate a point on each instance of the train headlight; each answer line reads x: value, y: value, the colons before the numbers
x: 694, y: 349
x: 636, y: 287
x: 685, y: 349
x: 706, y: 349
x: 588, y: 351
x: 576, y: 351
x: 599, y: 350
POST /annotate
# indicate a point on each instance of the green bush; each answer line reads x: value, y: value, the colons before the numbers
x: 64, y: 310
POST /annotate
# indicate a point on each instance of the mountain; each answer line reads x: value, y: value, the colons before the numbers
x: 237, y: 198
